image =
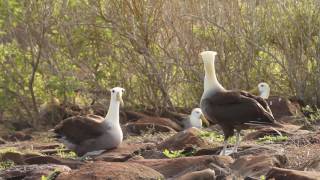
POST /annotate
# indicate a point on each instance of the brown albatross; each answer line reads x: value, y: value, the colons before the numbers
x: 231, y: 109
x: 91, y: 135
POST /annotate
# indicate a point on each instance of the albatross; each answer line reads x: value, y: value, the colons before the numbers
x: 263, y: 89
x: 231, y: 109
x: 93, y: 134
x: 195, y: 119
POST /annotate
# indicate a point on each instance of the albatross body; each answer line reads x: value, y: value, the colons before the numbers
x: 84, y: 134
x: 196, y: 119
x: 231, y: 109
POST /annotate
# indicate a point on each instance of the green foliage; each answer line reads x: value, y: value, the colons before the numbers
x: 313, y: 113
x: 176, y: 154
x: 51, y: 176
x: 262, y: 177
x: 272, y: 139
x: 6, y: 164
x: 66, y: 155
x: 214, y: 136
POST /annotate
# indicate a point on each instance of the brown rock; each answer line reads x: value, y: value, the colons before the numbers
x: 2, y: 141
x: 111, y: 170
x: 183, y: 139
x: 313, y: 165
x: 257, y: 150
x: 133, y: 116
x: 160, y: 121
x: 289, y: 174
x: 140, y: 128
x: 207, y: 174
x: 53, y: 160
x: 256, y: 166
x: 124, y: 152
x: 31, y: 172
x: 172, y: 168
x: 282, y: 107
x: 17, y: 136
x: 16, y: 157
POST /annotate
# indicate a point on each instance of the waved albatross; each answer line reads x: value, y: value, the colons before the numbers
x: 195, y: 119
x: 263, y: 89
x: 231, y: 109
x: 93, y: 134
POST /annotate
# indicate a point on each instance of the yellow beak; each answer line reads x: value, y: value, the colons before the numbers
x: 119, y: 98
x: 254, y: 91
x: 204, y: 120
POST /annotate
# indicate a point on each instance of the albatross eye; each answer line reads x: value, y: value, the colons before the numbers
x: 112, y: 91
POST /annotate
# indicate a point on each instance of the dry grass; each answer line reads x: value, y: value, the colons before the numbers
x: 299, y: 156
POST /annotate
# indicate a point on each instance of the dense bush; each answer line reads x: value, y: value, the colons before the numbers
x: 76, y: 50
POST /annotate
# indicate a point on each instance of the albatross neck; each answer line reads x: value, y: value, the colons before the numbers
x: 265, y: 94
x: 211, y: 82
x: 113, y: 112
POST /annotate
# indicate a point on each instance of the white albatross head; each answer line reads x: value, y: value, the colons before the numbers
x: 264, y: 90
x: 116, y: 94
x: 197, y: 118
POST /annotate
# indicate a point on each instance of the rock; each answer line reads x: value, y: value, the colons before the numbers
x: 313, y: 165
x: 153, y: 154
x: 124, y: 152
x: 74, y: 164
x: 173, y: 168
x: 31, y: 172
x: 282, y: 107
x: 256, y: 166
x: 160, y: 121
x: 16, y: 157
x: 140, y: 128
x: 289, y: 174
x: 134, y: 116
x: 183, y: 139
x: 206, y: 174
x: 111, y: 170
x: 17, y: 136
x: 2, y: 141
x: 257, y: 150
x: 304, y: 139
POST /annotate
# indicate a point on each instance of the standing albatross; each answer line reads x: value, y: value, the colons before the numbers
x: 231, y: 109
x: 195, y: 119
x: 92, y: 133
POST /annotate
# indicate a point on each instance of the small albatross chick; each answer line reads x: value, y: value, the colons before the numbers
x: 93, y: 134
x: 195, y: 119
x: 231, y: 109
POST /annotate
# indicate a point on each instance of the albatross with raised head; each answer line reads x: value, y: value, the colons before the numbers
x: 195, y: 119
x: 231, y: 109
x: 86, y: 134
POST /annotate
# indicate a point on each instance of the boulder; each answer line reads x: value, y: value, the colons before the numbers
x: 124, y: 152
x: 257, y: 150
x: 206, y: 174
x: 15, y: 157
x: 183, y: 139
x: 282, y: 107
x: 173, y: 168
x: 256, y: 166
x: 31, y: 172
x: 289, y: 174
x: 100, y: 170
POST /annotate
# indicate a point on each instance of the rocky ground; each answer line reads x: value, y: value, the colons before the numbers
x: 158, y: 148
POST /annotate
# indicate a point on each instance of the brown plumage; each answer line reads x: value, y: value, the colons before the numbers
x: 232, y: 110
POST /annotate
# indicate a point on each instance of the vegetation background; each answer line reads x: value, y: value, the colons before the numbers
x: 76, y: 50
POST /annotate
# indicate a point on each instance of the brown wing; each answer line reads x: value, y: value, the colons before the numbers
x: 263, y: 102
x: 235, y: 108
x: 77, y: 129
